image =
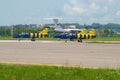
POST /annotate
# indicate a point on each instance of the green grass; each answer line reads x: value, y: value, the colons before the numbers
x: 52, y: 39
x: 6, y: 38
x: 105, y: 39
x: 11, y: 38
x: 95, y: 39
x: 27, y: 72
x: 104, y: 42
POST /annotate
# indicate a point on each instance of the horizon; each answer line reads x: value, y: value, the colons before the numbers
x: 61, y: 23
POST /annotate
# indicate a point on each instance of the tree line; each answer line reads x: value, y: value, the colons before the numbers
x: 107, y: 30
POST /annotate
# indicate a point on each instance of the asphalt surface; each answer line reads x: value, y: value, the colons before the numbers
x: 61, y: 53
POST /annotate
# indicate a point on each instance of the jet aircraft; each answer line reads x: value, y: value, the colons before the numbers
x: 59, y: 29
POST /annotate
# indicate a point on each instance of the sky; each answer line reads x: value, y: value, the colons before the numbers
x: 79, y: 11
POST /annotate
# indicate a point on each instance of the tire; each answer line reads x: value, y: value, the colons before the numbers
x: 80, y: 40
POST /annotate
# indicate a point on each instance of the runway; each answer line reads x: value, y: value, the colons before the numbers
x: 60, y: 53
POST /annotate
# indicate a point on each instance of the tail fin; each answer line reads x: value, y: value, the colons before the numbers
x: 92, y: 33
x: 44, y: 33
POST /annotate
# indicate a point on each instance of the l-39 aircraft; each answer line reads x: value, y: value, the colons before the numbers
x: 62, y: 33
x: 72, y: 33
x: 59, y: 29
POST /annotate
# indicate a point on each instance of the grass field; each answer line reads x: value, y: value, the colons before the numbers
x: 95, y: 39
x: 10, y: 38
x: 105, y: 39
x: 27, y: 72
x: 103, y: 42
x: 6, y: 38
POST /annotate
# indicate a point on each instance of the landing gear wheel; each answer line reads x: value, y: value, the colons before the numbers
x: 33, y: 39
x: 80, y: 40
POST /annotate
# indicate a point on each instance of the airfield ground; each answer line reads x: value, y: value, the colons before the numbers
x: 60, y: 53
